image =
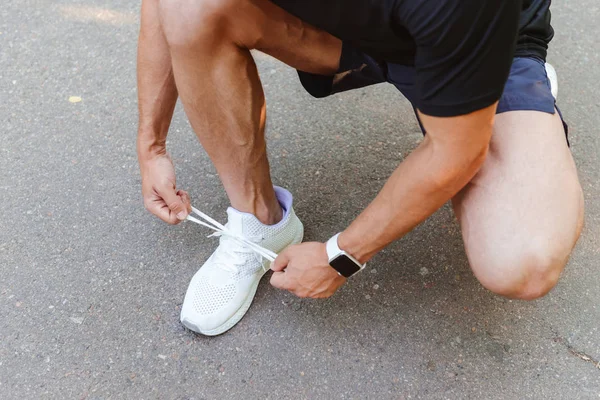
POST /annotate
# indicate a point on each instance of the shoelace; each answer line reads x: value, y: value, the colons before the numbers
x: 221, y: 230
x: 231, y: 256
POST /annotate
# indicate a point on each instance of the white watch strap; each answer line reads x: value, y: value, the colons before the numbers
x: 332, y: 247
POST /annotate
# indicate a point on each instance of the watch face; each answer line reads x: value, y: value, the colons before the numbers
x: 344, y: 265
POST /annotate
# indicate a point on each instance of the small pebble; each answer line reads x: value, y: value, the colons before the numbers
x: 431, y: 365
x: 367, y: 297
x: 424, y: 271
x: 373, y: 271
x: 375, y: 287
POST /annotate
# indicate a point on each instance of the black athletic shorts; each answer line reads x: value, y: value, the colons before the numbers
x: 455, y: 55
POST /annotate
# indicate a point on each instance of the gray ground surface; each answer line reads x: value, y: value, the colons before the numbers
x: 91, y: 285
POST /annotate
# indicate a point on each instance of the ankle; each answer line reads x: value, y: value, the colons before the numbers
x: 265, y: 207
x: 269, y: 215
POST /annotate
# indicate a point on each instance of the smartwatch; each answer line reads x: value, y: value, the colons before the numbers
x: 342, y: 262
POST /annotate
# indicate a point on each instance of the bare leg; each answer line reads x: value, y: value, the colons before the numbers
x: 218, y: 83
x: 523, y: 212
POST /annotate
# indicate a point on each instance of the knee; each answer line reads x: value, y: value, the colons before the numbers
x: 527, y: 274
x: 190, y: 22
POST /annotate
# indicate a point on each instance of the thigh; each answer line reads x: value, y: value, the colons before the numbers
x: 525, y: 203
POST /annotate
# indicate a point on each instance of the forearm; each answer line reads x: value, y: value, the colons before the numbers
x: 157, y: 93
x: 428, y: 178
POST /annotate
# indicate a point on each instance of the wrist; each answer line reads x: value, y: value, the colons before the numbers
x: 150, y: 146
x: 340, y: 260
x: 355, y: 246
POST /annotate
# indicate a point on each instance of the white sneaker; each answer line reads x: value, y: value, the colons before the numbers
x: 553, y: 78
x: 222, y: 290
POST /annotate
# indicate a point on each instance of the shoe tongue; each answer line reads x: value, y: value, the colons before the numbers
x: 236, y: 220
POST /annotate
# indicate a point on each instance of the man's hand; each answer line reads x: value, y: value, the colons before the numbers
x: 159, y: 189
x: 157, y: 96
x: 304, y: 270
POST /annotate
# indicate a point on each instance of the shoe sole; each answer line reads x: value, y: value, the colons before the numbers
x: 231, y: 322
x: 553, y: 78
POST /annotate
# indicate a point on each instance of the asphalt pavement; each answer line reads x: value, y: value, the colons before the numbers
x: 91, y: 285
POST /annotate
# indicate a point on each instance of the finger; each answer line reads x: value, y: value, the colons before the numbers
x: 282, y: 260
x: 303, y: 294
x: 159, y: 208
x: 187, y: 201
x: 279, y: 280
x: 174, y: 202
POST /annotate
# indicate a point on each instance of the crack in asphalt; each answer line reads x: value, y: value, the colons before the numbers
x: 577, y: 353
x: 583, y: 356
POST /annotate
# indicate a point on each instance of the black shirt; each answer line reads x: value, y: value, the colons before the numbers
x: 535, y: 31
x: 461, y: 50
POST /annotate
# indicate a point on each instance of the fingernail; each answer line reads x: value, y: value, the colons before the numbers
x: 181, y: 216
